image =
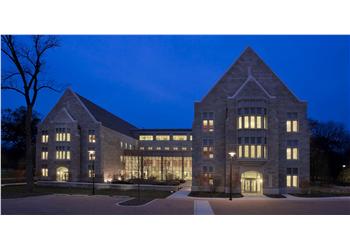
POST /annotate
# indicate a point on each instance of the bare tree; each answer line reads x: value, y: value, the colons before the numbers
x: 28, y: 62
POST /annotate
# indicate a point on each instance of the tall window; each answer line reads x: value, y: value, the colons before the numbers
x: 62, y: 153
x: 252, y: 147
x: 208, y: 148
x: 252, y: 118
x: 292, y: 151
x: 91, y: 154
x: 62, y: 134
x: 44, y: 136
x: 292, y: 177
x: 44, y: 171
x: 146, y: 137
x: 44, y: 153
x: 92, y: 136
x: 90, y: 171
x: 180, y: 137
x: 208, y: 121
x: 292, y: 124
x: 162, y: 137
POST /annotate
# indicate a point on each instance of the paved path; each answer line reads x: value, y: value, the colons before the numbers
x: 181, y: 194
x: 202, y: 207
x: 57, y: 204
x: 100, y: 204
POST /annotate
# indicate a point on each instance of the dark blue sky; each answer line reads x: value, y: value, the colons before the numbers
x: 153, y: 81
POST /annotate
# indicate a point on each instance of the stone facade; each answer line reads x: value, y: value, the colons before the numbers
x: 72, y: 114
x: 248, y: 93
x: 250, y: 85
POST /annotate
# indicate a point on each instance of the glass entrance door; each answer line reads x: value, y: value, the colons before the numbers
x: 251, y: 186
x: 62, y: 174
x: 251, y: 182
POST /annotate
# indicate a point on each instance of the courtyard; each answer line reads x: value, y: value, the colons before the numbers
x: 178, y: 203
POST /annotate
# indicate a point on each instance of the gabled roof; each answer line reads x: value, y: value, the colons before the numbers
x: 107, y: 119
x: 249, y: 63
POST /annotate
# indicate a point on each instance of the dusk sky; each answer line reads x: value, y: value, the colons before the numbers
x: 153, y: 81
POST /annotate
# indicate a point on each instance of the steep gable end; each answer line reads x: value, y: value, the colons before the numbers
x: 251, y: 88
x: 249, y: 63
x: 63, y: 116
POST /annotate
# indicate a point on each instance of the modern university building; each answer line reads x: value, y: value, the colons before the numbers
x: 249, y: 112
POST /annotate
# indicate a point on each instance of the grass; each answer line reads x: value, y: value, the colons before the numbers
x: 213, y: 194
x: 320, y: 194
x: 20, y: 191
x: 277, y: 196
x: 135, y: 202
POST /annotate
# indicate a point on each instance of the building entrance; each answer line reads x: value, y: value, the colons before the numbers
x: 62, y: 174
x: 251, y: 182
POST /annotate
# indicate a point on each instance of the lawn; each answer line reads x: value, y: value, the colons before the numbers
x: 213, y: 194
x: 19, y: 191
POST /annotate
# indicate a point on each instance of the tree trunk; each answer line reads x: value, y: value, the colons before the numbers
x: 29, y: 159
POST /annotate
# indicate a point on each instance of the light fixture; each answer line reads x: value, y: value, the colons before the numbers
x: 344, y: 166
x: 232, y: 154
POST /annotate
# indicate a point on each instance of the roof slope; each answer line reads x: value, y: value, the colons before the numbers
x: 108, y: 119
x: 249, y: 64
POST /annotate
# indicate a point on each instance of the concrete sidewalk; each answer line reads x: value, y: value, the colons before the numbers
x: 202, y: 207
x: 181, y: 194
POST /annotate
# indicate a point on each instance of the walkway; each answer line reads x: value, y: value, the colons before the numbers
x: 202, y: 207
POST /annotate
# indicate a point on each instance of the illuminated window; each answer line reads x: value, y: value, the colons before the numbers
x: 142, y: 148
x: 63, y: 134
x: 252, y: 147
x: 121, y: 144
x: 91, y: 154
x: 292, y: 153
x: 208, y: 148
x: 63, y: 153
x: 44, y: 172
x: 240, y: 122
x: 92, y: 136
x: 258, y: 122
x: 91, y: 172
x: 158, y: 148
x: 292, y: 124
x: 166, y: 148
x: 146, y: 137
x: 184, y: 149
x: 252, y: 121
x: 208, y: 121
x: 258, y: 151
x: 44, y: 154
x: 175, y: 148
x: 180, y: 137
x: 246, y: 151
x: 149, y: 148
x: 292, y: 178
x: 190, y: 137
x: 44, y: 136
x: 252, y: 151
x: 162, y: 137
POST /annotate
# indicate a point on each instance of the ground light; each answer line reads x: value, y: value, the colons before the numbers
x: 232, y: 155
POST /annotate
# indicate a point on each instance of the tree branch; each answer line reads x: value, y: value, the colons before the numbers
x: 13, y: 88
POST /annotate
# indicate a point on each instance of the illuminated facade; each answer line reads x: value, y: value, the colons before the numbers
x: 249, y: 112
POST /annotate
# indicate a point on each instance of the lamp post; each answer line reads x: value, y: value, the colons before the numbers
x: 232, y: 155
x: 92, y: 157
